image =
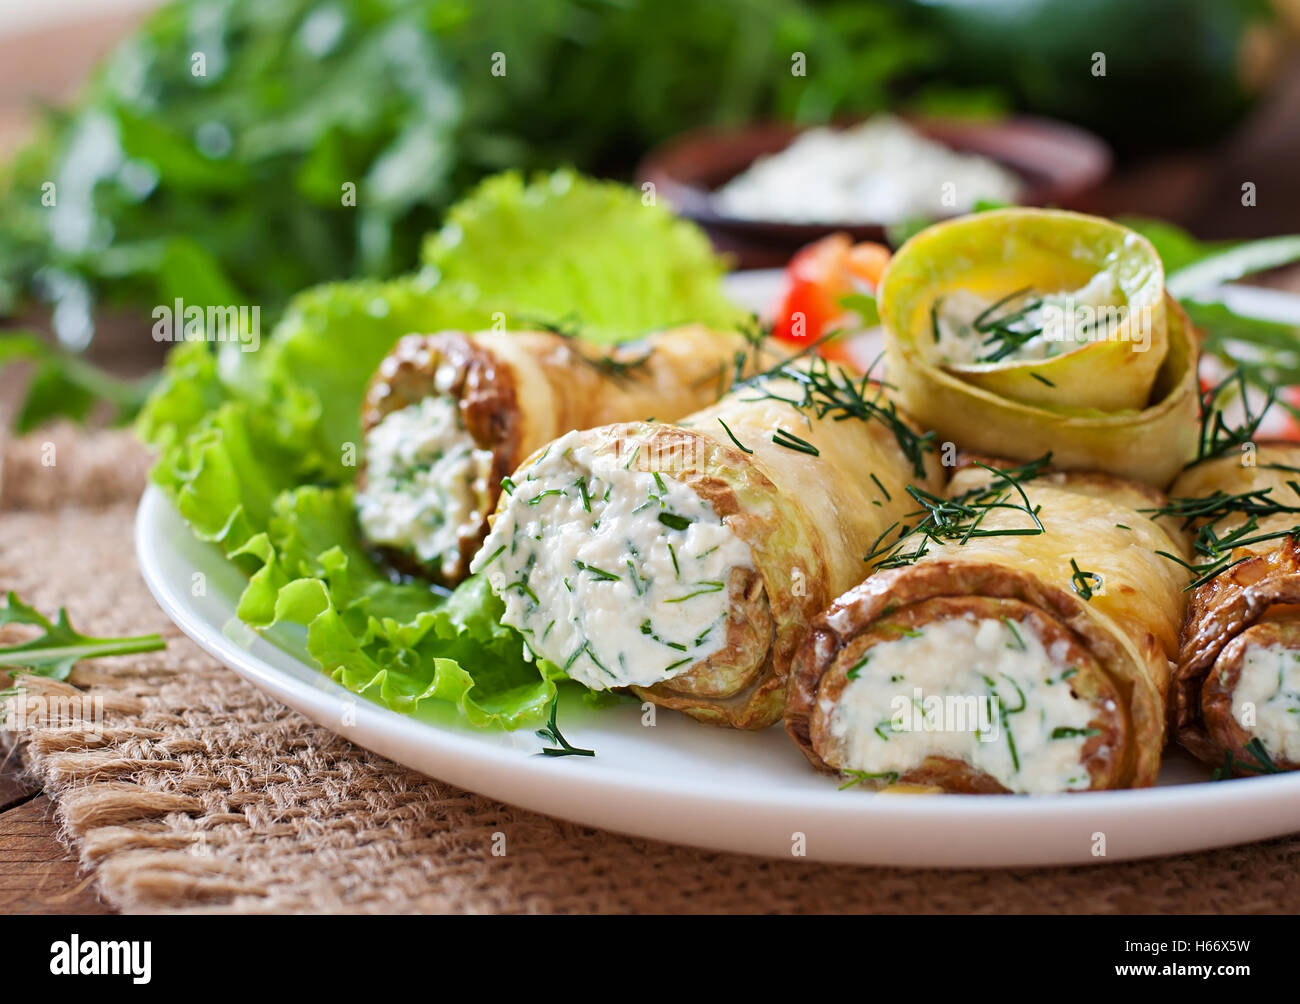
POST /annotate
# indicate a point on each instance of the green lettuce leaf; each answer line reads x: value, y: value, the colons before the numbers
x: 332, y: 337
x: 590, y: 255
x: 258, y: 449
x: 400, y: 644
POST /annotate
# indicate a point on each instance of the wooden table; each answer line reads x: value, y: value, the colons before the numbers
x: 36, y: 873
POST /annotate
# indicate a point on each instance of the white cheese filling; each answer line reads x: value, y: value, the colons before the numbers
x: 618, y: 576
x: 1031, y: 326
x: 424, y: 477
x: 983, y: 691
x: 1266, y: 701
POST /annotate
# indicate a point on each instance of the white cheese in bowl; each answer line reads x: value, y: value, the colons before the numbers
x: 882, y: 171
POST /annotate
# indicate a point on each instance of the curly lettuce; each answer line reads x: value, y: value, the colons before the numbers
x: 258, y: 450
x: 640, y: 266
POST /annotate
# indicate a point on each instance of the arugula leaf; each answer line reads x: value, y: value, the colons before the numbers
x: 61, y: 646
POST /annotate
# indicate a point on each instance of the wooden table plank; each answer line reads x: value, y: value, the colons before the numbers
x: 14, y: 791
x: 14, y: 787
x: 37, y: 875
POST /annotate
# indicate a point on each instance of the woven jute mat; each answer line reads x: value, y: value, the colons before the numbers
x: 203, y: 794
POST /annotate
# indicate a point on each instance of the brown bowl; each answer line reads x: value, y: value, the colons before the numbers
x: 1058, y: 164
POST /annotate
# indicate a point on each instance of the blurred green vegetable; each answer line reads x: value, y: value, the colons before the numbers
x: 1145, y: 74
x: 235, y: 151
x: 1267, y: 352
x: 65, y: 385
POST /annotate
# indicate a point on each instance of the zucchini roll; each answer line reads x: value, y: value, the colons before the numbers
x: 1236, y: 700
x: 1017, y: 638
x: 447, y: 415
x: 1024, y: 331
x: 686, y: 562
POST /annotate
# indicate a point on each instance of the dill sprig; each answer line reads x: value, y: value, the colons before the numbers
x: 857, y: 777
x: 1216, y: 551
x: 792, y: 442
x: 1084, y: 583
x: 960, y: 518
x: 569, y: 327
x: 599, y: 573
x: 1220, y: 505
x: 1266, y: 765
x: 732, y: 436
x: 1217, y: 437
x: 1213, y: 552
x: 551, y: 732
x: 755, y: 332
x: 1004, y: 339
x: 1263, y: 762
x: 832, y: 390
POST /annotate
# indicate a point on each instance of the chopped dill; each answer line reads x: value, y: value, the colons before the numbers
x: 1212, y: 551
x: 732, y: 436
x: 1084, y: 583
x: 793, y: 442
x: 827, y: 390
x: 857, y: 777
x: 1015, y: 632
x: 959, y: 519
x: 710, y: 586
x: 599, y: 573
x: 1217, y: 437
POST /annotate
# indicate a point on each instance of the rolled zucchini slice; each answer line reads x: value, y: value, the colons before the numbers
x: 446, y: 416
x: 1125, y: 402
x: 1033, y: 305
x: 686, y: 562
x: 1236, y: 697
x: 1024, y: 647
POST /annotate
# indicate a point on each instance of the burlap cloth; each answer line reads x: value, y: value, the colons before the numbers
x: 204, y: 794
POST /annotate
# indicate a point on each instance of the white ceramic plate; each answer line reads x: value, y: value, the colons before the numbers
x: 689, y: 783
